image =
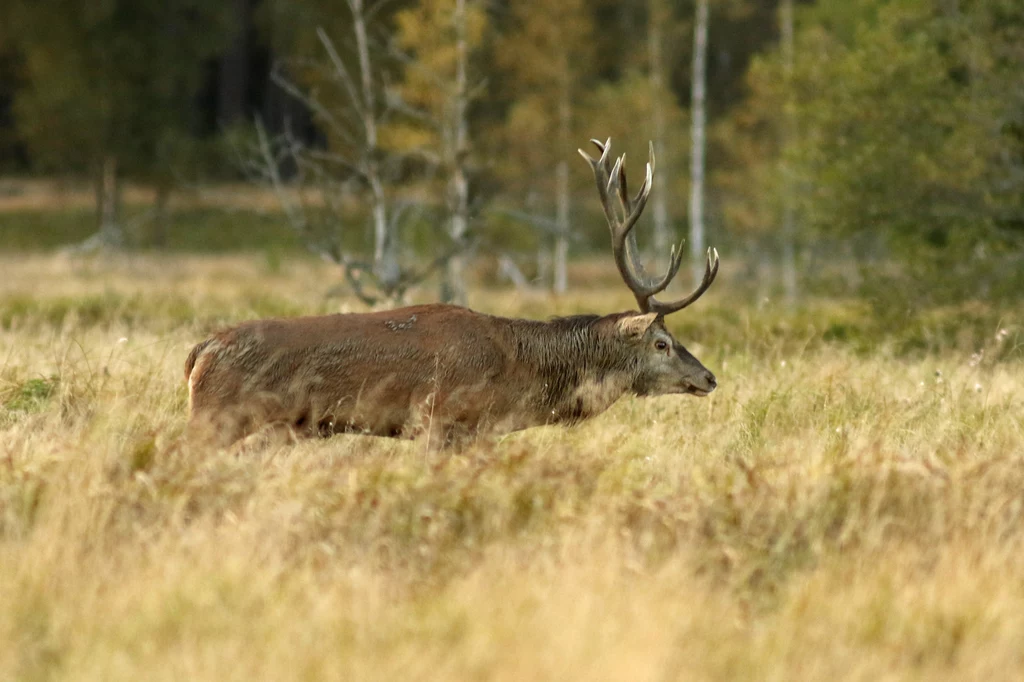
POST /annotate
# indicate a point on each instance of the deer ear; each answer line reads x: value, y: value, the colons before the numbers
x: 635, y: 326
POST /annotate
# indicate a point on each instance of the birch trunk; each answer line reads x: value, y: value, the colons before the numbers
x: 385, y: 264
x: 234, y: 73
x: 562, y: 226
x: 110, y: 233
x: 459, y: 183
x: 159, y: 232
x: 657, y: 15
x: 697, y: 137
x: 789, y: 279
x: 544, y: 252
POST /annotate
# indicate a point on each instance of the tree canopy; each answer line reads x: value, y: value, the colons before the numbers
x: 893, y: 123
x: 113, y: 77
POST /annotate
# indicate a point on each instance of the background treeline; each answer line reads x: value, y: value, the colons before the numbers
x: 863, y: 140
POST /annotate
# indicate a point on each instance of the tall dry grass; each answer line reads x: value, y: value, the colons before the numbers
x: 835, y: 510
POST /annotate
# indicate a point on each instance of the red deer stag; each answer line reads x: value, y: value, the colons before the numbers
x: 446, y: 371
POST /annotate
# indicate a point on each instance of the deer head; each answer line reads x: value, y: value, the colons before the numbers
x: 667, y: 366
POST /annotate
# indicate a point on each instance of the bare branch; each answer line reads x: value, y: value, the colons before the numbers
x: 292, y: 212
x: 354, y: 272
x: 341, y: 71
x: 377, y: 7
x: 538, y: 222
x: 321, y: 180
x: 313, y: 104
x: 508, y: 268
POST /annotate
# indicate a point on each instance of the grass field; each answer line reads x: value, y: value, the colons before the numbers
x: 849, y: 504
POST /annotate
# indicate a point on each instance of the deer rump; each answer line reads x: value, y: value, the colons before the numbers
x: 400, y: 373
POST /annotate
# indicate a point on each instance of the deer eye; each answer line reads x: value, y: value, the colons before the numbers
x: 661, y: 345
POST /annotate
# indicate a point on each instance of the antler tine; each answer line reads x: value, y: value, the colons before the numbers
x: 710, y: 272
x: 615, y: 178
x: 600, y: 167
x: 624, y: 247
x: 604, y: 148
x: 607, y: 180
x: 675, y: 260
x: 632, y: 210
x: 645, y: 187
x: 622, y: 190
x: 649, y: 180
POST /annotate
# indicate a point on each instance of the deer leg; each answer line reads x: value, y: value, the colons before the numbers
x: 214, y: 430
x: 449, y: 438
x: 272, y: 435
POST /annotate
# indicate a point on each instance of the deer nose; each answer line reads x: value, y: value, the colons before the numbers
x: 712, y: 382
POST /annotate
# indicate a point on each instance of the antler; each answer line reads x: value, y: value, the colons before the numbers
x: 624, y: 246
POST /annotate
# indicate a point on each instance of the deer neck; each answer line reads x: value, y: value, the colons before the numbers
x: 580, y: 372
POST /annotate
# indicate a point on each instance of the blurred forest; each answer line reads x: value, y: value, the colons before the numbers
x: 866, y: 146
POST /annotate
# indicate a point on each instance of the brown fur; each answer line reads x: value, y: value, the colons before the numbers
x: 443, y: 371
x: 190, y: 361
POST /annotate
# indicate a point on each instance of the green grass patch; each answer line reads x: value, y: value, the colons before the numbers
x: 161, y: 312
x: 32, y: 395
x: 197, y: 230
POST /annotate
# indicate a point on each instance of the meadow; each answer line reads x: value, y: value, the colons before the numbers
x: 849, y: 504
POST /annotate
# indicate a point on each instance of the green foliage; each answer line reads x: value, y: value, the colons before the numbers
x: 547, y: 53
x: 132, y: 311
x: 900, y: 133
x: 897, y: 138
x: 891, y: 138
x: 548, y: 47
x: 114, y: 78
x: 864, y: 327
x: 428, y: 32
x: 196, y: 230
x: 31, y: 395
x: 614, y: 109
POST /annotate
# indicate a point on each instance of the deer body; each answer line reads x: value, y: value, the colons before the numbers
x: 446, y: 371
x: 442, y: 370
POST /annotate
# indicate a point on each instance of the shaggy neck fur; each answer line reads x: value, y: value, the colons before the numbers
x: 583, y: 364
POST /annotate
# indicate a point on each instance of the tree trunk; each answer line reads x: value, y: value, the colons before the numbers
x: 544, y: 252
x: 542, y: 275
x: 697, y: 137
x: 385, y: 252
x: 459, y: 183
x: 508, y: 268
x: 563, y: 206
x: 158, y: 233
x: 789, y: 278
x: 233, y: 87
x: 110, y: 233
x: 385, y: 261
x: 657, y: 16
